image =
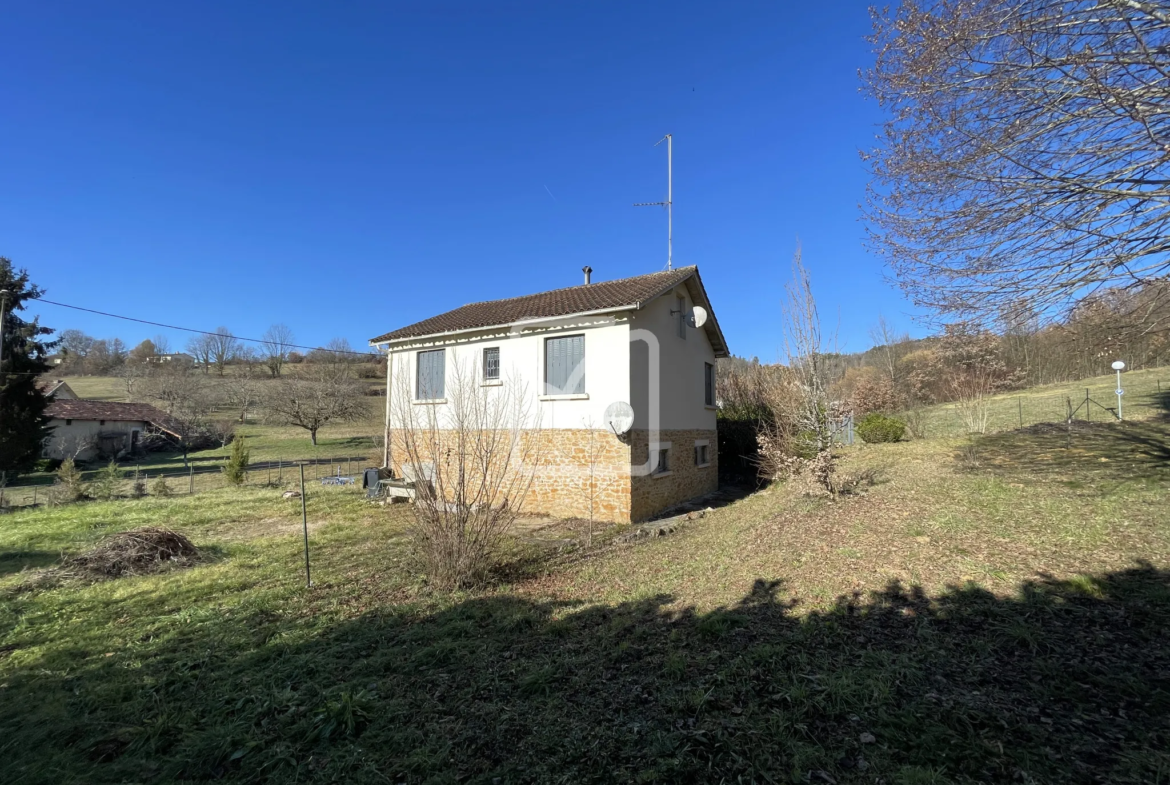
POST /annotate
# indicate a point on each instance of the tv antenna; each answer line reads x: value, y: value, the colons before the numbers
x: 668, y: 203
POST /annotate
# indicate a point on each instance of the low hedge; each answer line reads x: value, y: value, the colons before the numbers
x: 877, y: 428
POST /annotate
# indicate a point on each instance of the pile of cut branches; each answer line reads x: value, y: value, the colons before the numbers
x: 137, y: 552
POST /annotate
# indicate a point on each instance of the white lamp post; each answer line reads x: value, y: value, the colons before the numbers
x: 1119, y: 366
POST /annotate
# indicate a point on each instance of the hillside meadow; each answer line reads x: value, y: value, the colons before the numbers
x: 991, y: 609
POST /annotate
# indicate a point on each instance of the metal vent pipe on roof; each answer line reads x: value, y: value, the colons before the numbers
x: 588, y: 271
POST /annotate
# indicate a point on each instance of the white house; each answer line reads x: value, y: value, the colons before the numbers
x: 650, y: 342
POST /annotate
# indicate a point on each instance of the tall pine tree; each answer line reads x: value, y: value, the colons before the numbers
x: 23, y: 425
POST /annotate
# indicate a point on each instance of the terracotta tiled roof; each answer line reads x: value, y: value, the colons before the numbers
x: 604, y: 295
x: 108, y: 410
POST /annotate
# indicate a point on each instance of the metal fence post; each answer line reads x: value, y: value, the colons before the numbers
x: 1020, y: 406
x: 1088, y: 416
x: 191, y: 484
x: 305, y: 526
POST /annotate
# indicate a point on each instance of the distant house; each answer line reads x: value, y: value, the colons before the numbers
x: 57, y: 390
x: 176, y: 357
x: 646, y: 344
x: 100, y: 429
x: 55, y: 359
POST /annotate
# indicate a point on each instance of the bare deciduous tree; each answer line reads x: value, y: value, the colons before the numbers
x: 315, y: 398
x: 804, y: 415
x: 223, y: 347
x: 1027, y: 152
x: 278, y: 340
x: 199, y: 347
x: 188, y: 399
x: 477, y: 456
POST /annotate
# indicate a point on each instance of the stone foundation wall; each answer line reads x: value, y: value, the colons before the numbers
x: 651, y: 494
x: 574, y: 468
x: 579, y: 465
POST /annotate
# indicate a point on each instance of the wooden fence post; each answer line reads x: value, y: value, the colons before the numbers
x: 191, y: 484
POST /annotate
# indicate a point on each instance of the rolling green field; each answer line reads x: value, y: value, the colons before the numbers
x: 1146, y: 394
x: 995, y: 610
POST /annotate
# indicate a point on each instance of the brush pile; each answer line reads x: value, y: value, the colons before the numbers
x: 134, y: 552
x: 137, y: 552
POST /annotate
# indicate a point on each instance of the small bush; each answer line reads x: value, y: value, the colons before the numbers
x: 68, y: 487
x: 237, y: 465
x: 159, y: 487
x: 877, y: 428
x: 105, y: 485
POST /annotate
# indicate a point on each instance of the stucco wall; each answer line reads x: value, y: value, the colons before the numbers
x: 522, y: 365
x: 66, y: 439
x: 680, y: 367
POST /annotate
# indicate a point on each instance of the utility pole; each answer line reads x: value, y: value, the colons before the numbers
x: 669, y: 203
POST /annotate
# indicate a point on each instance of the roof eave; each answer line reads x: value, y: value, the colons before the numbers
x: 383, y: 341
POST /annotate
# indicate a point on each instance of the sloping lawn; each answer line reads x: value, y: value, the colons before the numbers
x: 973, y: 617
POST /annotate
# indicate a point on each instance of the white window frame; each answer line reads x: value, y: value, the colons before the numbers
x: 418, y: 367
x: 485, y: 380
x: 547, y: 396
x: 705, y: 444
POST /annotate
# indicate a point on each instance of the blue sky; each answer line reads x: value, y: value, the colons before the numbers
x: 350, y: 168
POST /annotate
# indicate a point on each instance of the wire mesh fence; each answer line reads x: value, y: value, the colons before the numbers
x: 134, y: 481
x: 1008, y: 412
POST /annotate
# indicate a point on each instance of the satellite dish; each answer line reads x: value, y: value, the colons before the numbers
x: 699, y: 316
x: 619, y: 416
x: 1119, y: 365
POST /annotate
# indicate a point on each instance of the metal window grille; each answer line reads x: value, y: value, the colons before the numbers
x: 491, y: 363
x: 564, y: 365
x: 431, y: 375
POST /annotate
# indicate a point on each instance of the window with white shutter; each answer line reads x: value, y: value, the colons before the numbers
x: 432, y: 367
x: 564, y: 365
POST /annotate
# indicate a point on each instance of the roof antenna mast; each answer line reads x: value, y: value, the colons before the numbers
x: 668, y: 204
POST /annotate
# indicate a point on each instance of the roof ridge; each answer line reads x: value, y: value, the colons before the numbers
x: 580, y: 286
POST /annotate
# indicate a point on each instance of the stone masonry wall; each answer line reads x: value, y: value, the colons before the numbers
x: 562, y: 484
x: 654, y: 493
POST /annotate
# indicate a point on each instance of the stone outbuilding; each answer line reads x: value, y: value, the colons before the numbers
x: 85, y: 430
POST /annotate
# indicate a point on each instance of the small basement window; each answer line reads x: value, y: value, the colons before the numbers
x: 69, y: 422
x: 491, y: 364
x: 101, y: 422
x: 701, y: 457
x: 662, y: 463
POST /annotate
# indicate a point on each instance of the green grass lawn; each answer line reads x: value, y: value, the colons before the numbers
x: 1147, y: 393
x: 995, y: 613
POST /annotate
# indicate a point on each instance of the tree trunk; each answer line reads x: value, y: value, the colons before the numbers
x: 313, y: 435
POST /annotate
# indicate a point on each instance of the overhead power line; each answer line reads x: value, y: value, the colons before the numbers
x: 193, y: 330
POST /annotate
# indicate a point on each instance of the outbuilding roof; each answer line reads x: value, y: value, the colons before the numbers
x: 79, y: 409
x: 624, y: 293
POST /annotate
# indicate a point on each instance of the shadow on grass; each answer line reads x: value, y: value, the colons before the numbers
x: 1127, y: 450
x: 15, y: 561
x: 1069, y: 682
